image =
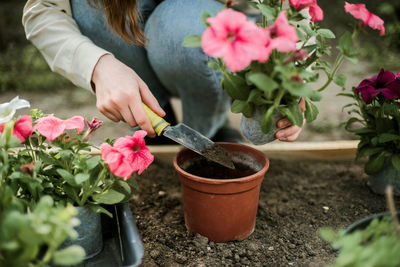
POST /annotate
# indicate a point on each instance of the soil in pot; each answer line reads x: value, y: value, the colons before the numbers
x: 209, y: 169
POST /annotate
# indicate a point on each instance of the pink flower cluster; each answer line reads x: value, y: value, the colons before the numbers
x: 239, y: 41
x: 128, y: 155
x: 22, y: 128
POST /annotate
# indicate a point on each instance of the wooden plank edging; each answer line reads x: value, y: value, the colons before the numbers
x: 326, y: 150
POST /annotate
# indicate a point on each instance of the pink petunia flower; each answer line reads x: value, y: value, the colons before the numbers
x: 116, y: 161
x: 129, y: 154
x: 283, y: 36
x: 52, y: 127
x: 22, y: 128
x: 235, y: 39
x: 360, y: 11
x: 315, y: 11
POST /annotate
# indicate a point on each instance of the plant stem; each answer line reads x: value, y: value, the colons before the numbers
x: 90, y: 190
x: 392, y: 209
x: 278, y: 98
x: 338, y: 62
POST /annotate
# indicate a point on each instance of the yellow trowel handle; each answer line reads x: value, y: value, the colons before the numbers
x: 157, y: 122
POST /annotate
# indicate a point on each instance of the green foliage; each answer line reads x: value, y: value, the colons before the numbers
x: 378, y: 127
x: 376, y: 245
x: 63, y: 169
x: 192, y: 41
x: 31, y: 235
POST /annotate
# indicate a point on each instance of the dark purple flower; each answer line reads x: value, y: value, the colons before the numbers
x: 385, y: 83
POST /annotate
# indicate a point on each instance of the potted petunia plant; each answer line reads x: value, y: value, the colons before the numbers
x: 267, y: 67
x: 51, y: 156
x: 376, y: 113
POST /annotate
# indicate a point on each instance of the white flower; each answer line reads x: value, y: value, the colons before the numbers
x: 7, y: 110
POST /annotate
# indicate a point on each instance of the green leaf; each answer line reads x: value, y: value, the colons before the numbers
x: 99, y: 209
x: 346, y: 45
x: 92, y: 162
x: 311, y: 111
x: 325, y: 33
x: 387, y: 137
x: 109, y: 197
x: 192, y: 41
x: 81, y: 177
x: 396, y: 161
x: 235, y: 86
x: 340, y: 80
x: 307, y: 30
x: 263, y: 82
x: 239, y: 106
x: 204, y: 16
x: 256, y: 97
x: 213, y: 65
x: 68, y: 177
x: 71, y: 255
x: 266, y: 121
x: 293, y: 113
x: 65, y: 154
x: 268, y: 12
x: 375, y: 163
x: 299, y: 89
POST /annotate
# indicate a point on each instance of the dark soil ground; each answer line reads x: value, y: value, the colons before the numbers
x: 296, y: 199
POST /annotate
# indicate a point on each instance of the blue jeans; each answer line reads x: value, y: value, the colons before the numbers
x: 167, y: 68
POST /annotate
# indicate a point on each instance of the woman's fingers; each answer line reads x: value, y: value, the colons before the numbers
x: 141, y: 118
x: 283, y: 123
x: 119, y: 92
x: 149, y: 99
x: 289, y: 134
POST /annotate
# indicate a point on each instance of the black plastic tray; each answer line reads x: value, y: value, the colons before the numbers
x: 122, y: 245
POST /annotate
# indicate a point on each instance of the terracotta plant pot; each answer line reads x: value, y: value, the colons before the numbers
x: 222, y: 209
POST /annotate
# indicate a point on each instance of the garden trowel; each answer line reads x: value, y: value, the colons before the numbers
x: 189, y: 138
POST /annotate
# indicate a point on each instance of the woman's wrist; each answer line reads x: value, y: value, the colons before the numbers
x: 96, y: 74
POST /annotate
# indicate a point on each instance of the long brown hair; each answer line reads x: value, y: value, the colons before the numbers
x: 123, y: 18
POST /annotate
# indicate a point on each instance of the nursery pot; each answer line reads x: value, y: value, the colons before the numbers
x: 219, y: 203
x: 89, y: 232
x: 251, y: 128
x: 364, y: 222
x: 388, y: 175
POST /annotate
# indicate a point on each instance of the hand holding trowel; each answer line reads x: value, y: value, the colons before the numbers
x: 189, y: 138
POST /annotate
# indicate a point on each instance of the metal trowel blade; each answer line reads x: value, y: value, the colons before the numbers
x: 200, y: 144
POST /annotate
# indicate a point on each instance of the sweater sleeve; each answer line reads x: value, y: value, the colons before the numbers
x: 50, y: 27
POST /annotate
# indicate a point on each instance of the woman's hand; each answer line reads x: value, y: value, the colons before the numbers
x: 289, y: 133
x: 120, y: 92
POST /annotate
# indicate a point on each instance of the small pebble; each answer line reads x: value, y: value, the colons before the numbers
x: 161, y: 193
x: 292, y: 246
x: 208, y: 248
x: 154, y: 253
x: 270, y: 248
x: 179, y: 258
x: 237, y: 257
